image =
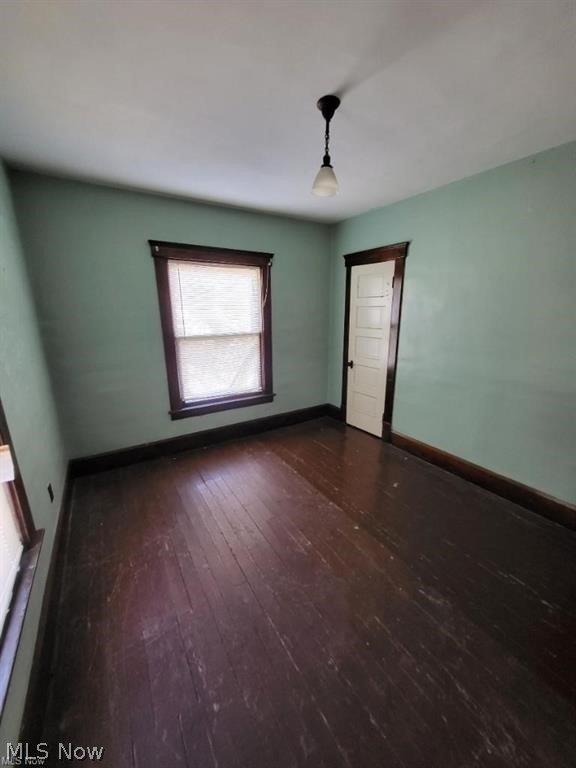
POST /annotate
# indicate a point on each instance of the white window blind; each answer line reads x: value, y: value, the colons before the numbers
x: 10, y: 551
x: 217, y: 320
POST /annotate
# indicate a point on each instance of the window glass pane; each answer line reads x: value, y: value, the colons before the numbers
x: 218, y: 366
x: 214, y: 299
x: 10, y: 550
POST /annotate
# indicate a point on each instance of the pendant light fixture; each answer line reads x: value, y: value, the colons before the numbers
x: 326, y: 183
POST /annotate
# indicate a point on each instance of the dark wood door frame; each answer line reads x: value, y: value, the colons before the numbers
x: 396, y: 253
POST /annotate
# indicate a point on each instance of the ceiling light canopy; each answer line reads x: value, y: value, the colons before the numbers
x: 326, y: 183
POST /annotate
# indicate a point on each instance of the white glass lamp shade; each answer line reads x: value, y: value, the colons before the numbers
x: 325, y: 183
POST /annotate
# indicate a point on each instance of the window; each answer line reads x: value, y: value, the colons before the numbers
x: 216, y: 323
x: 10, y: 543
x: 19, y: 551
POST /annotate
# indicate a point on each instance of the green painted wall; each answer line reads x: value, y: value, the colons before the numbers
x: 487, y: 356
x: 95, y: 289
x: 27, y: 397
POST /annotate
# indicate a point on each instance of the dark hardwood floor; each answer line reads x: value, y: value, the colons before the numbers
x: 312, y: 597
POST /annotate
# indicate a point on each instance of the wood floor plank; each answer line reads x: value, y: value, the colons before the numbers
x: 535, y: 638
x: 494, y: 659
x: 312, y: 597
x: 372, y: 635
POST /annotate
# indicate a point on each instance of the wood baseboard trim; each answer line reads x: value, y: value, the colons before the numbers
x: 554, y: 509
x: 39, y: 680
x: 334, y: 411
x: 89, y: 465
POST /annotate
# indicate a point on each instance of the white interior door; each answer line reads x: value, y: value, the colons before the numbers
x: 368, y: 342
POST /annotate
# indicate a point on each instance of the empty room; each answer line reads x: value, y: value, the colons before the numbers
x: 288, y: 383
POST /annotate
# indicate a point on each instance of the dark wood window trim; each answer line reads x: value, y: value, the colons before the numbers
x: 15, y: 620
x: 32, y: 541
x: 16, y: 487
x: 397, y: 253
x: 162, y: 252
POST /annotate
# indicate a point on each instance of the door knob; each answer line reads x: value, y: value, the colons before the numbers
x: 350, y: 363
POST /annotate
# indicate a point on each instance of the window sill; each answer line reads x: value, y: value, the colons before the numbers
x: 17, y: 614
x: 220, y: 404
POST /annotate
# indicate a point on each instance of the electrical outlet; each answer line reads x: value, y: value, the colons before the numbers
x: 50, y: 492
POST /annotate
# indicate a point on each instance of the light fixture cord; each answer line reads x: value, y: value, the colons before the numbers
x: 326, y: 160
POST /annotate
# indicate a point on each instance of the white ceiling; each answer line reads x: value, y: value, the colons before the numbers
x: 215, y: 100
